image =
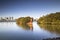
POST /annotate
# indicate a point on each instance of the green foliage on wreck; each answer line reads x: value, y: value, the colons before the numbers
x: 24, y: 20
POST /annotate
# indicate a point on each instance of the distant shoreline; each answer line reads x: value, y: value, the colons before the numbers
x: 8, y: 21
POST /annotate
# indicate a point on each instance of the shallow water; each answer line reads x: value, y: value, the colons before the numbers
x: 10, y: 30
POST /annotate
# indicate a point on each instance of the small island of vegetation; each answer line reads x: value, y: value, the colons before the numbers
x: 25, y: 22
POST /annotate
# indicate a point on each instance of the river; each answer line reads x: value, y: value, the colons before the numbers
x: 10, y: 30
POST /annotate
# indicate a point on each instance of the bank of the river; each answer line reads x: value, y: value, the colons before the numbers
x: 53, y: 19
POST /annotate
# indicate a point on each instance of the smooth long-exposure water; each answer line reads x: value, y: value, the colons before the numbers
x: 10, y: 30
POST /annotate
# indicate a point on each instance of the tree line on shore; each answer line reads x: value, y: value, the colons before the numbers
x: 53, y: 18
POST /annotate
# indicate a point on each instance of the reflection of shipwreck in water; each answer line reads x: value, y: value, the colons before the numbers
x: 30, y: 26
x: 26, y: 26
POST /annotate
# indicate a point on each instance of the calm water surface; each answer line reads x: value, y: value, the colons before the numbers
x: 10, y: 30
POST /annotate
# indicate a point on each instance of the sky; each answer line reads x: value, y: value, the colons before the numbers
x: 33, y: 8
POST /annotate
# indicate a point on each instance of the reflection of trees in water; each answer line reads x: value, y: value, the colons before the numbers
x: 26, y: 26
x: 51, y: 28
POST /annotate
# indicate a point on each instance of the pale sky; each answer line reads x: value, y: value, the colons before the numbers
x: 33, y: 8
